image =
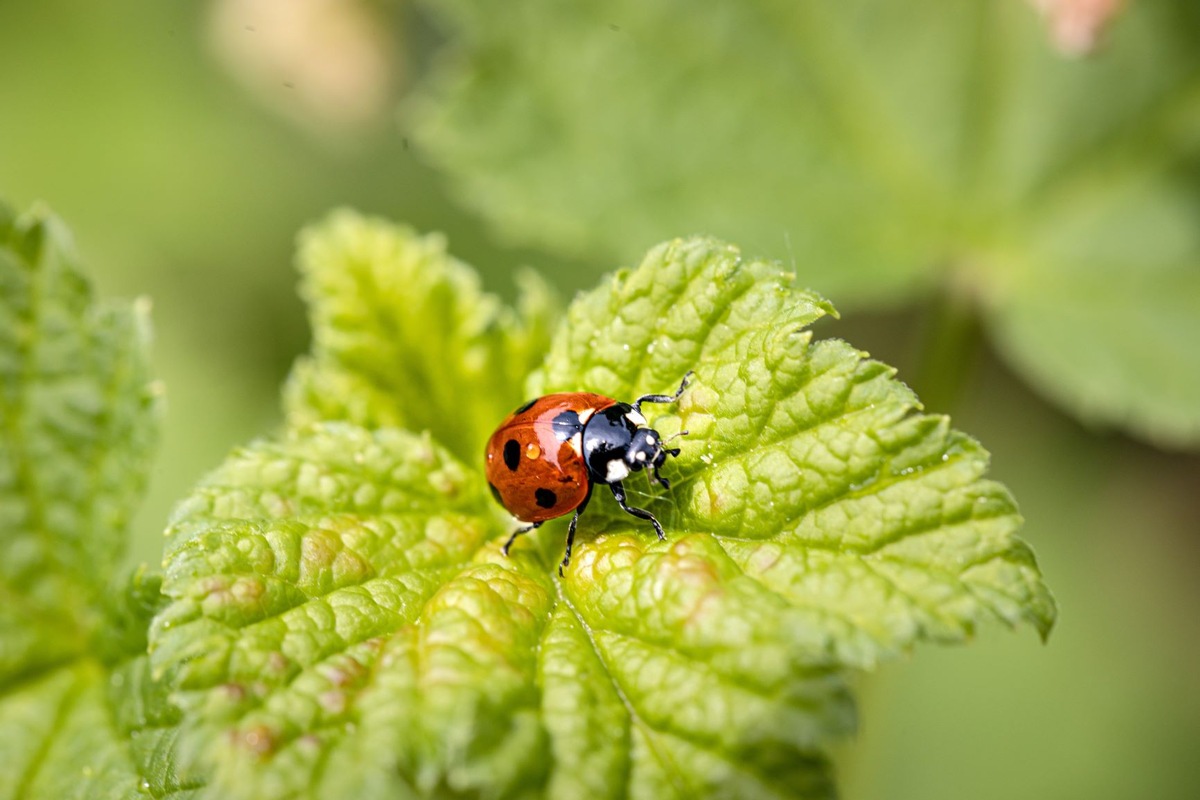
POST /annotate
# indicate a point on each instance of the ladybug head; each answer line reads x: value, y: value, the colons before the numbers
x: 646, y: 450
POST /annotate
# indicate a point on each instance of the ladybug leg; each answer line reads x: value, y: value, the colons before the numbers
x: 658, y: 479
x: 517, y: 533
x: 662, y: 398
x: 571, y: 531
x: 671, y: 451
x: 619, y: 492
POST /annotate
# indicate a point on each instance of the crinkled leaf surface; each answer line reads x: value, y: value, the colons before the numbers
x: 809, y: 463
x: 76, y: 424
x: 342, y: 622
x: 343, y: 619
x: 885, y: 148
x: 403, y: 336
x: 79, y: 716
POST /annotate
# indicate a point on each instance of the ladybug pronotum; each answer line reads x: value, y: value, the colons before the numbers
x: 544, y: 460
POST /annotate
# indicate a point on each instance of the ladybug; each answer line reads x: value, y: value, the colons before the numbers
x: 544, y: 460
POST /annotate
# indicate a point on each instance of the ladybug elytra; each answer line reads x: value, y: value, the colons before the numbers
x: 544, y: 460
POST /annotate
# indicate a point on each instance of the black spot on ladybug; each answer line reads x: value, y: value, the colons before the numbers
x: 545, y: 498
x: 566, y: 425
x: 512, y: 454
x: 495, y: 493
x: 525, y: 407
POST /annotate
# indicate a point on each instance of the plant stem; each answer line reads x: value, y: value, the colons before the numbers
x: 948, y: 351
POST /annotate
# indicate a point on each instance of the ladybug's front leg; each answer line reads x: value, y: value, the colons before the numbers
x: 619, y: 492
x: 660, y: 480
x: 663, y: 398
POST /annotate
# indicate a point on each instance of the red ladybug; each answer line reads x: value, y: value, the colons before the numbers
x: 543, y: 461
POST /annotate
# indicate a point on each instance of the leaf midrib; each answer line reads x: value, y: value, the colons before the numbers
x: 677, y: 776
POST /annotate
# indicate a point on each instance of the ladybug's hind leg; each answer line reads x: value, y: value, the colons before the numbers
x: 619, y: 492
x: 517, y: 533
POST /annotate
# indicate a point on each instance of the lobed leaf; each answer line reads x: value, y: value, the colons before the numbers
x: 404, y: 337
x: 341, y: 621
x: 79, y: 715
x: 887, y: 149
x: 808, y: 463
x: 77, y: 415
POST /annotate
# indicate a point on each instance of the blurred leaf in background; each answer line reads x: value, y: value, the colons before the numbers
x: 890, y: 150
x: 79, y: 716
x: 181, y: 187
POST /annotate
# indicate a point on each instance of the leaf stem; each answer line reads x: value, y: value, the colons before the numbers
x: 948, y: 351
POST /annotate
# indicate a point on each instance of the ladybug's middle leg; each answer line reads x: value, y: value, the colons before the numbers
x: 619, y: 492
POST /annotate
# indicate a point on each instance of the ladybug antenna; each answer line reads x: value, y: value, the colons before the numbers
x: 675, y: 436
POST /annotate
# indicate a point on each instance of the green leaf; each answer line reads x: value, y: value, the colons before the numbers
x: 342, y: 622
x: 79, y: 715
x: 343, y: 618
x: 887, y: 149
x: 403, y: 336
x: 140, y: 706
x: 98, y: 727
x: 76, y: 426
x: 58, y: 738
x: 807, y: 461
x: 1106, y: 325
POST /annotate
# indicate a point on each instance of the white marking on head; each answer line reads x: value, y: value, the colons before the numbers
x: 640, y: 455
x: 585, y: 415
x: 636, y: 418
x: 617, y: 471
x: 651, y: 440
x: 576, y: 443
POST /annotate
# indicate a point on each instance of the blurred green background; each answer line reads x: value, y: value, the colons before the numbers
x: 186, y: 144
